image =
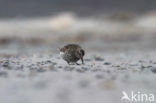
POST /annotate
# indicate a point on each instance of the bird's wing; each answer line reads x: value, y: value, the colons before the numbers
x: 79, y: 53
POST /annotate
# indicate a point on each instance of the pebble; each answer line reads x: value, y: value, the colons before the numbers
x: 68, y: 68
x: 80, y: 70
x: 144, y: 67
x: 3, y: 74
x: 153, y: 69
x: 107, y: 84
x: 19, y: 68
x: 41, y: 70
x: 107, y: 63
x: 60, y: 67
x: 149, y: 66
x: 98, y: 70
x: 54, y: 63
x: 141, y: 61
x: 116, y: 66
x: 85, y: 68
x: 48, y: 61
x: 51, y: 67
x: 5, y: 64
x: 32, y: 68
x: 87, y: 59
x: 98, y: 58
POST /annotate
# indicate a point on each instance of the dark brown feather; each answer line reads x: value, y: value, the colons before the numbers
x: 73, y: 53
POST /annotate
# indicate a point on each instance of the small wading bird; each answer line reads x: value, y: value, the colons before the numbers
x: 71, y: 53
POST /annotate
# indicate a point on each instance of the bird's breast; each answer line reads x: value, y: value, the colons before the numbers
x: 61, y: 54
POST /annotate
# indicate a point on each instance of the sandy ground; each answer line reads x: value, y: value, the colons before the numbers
x: 47, y: 78
x: 120, y: 56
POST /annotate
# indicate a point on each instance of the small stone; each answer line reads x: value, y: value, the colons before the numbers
x: 80, y: 70
x: 96, y: 70
x: 141, y: 61
x: 3, y: 74
x: 115, y: 65
x: 107, y: 63
x: 98, y: 58
x: 5, y: 64
x: 41, y: 70
x: 60, y: 67
x: 48, y: 61
x: 54, y: 63
x: 133, y: 64
x: 153, y: 69
x: 149, y: 66
x: 42, y: 63
x: 32, y: 68
x: 87, y: 59
x: 154, y: 62
x: 68, y: 68
x: 19, y: 68
x: 85, y: 68
x: 143, y: 67
x: 107, y: 84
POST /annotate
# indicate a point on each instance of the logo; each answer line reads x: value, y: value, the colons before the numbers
x: 137, y: 97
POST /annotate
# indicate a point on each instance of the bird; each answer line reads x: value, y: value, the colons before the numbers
x: 71, y: 53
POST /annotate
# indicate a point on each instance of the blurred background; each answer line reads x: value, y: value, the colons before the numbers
x: 28, y: 26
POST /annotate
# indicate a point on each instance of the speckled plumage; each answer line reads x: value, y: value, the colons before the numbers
x: 72, y: 53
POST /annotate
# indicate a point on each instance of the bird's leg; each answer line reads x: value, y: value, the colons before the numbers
x: 82, y: 60
x: 68, y: 62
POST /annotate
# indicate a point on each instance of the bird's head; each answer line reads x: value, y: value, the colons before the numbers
x: 62, y: 49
